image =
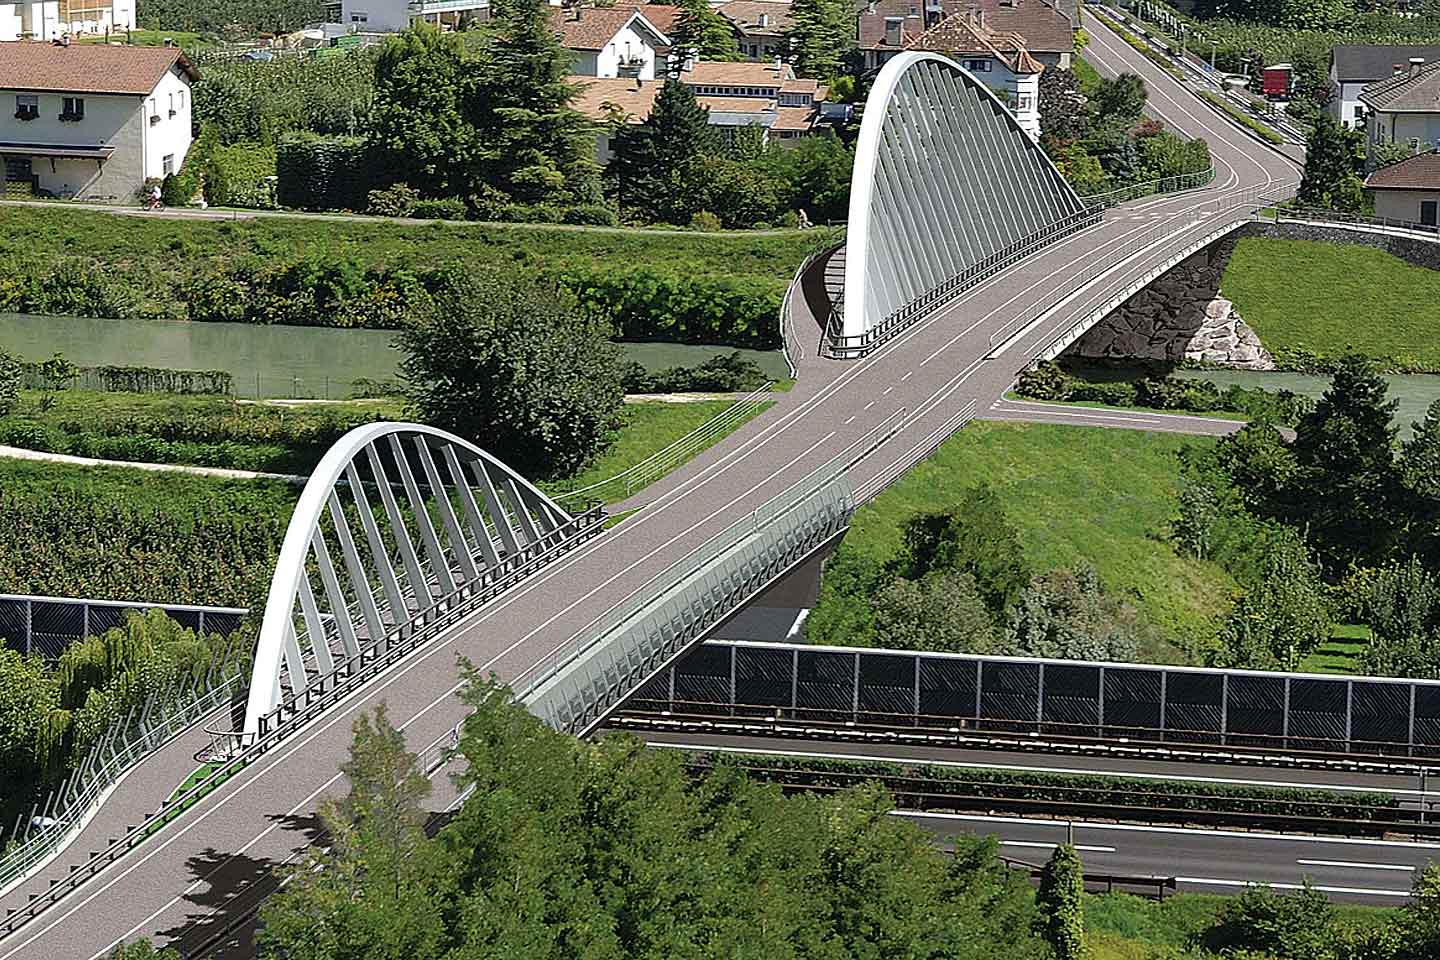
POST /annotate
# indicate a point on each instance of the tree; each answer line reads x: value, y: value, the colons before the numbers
x: 420, y: 121
x: 1332, y: 161
x: 817, y: 170
x: 10, y: 370
x: 942, y: 611
x: 741, y: 194
x: 973, y: 537
x: 656, y: 165
x: 1294, y: 926
x: 371, y: 892
x: 1402, y: 609
x: 1283, y: 616
x: 1059, y: 901
x: 515, y: 365
x: 1420, y: 923
x: 1346, y: 481
x: 141, y: 950
x: 1063, y: 114
x: 534, y: 148
x: 702, y: 33
x: 821, y: 37
x: 1117, y: 104
x: 1419, y: 467
x: 1065, y: 615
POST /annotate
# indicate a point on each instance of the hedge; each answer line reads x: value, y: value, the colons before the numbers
x: 1117, y: 791
x: 645, y: 304
x: 324, y: 173
x: 113, y: 379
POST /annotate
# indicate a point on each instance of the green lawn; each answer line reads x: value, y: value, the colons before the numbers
x: 1341, y: 654
x: 1075, y: 493
x: 1331, y: 299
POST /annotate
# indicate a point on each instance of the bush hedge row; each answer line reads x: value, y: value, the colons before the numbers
x: 116, y: 379
x: 1119, y: 792
x: 324, y: 173
x: 1048, y: 381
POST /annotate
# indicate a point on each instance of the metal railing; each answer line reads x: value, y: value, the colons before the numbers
x: 790, y: 342
x: 1388, y: 225
x: 46, y: 625
x: 922, y: 449
x: 658, y: 464
x: 1135, y: 191
x: 680, y: 603
x: 843, y: 347
x: 1144, y: 240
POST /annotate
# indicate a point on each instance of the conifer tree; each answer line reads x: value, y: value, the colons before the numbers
x: 655, y: 170
x: 1059, y: 900
x: 702, y: 33
x: 821, y: 38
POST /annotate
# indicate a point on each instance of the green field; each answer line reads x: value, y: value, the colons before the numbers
x: 1330, y: 299
x: 1341, y: 653
x: 1074, y: 493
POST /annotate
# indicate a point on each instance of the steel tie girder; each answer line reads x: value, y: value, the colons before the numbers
x: 960, y: 164
x: 497, y: 511
x: 478, y: 530
x: 439, y: 566
x: 948, y: 195
x: 1000, y: 168
x: 419, y: 586
x: 441, y: 493
x: 315, y: 628
x: 379, y: 554
x: 294, y: 663
x: 334, y: 596
x: 906, y: 169
x: 355, y: 569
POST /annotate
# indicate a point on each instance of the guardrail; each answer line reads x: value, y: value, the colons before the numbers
x: 1143, y: 240
x: 842, y: 347
x: 1134, y: 191
x: 922, y: 449
x: 1384, y: 224
x: 1105, y: 882
x: 660, y: 463
x: 788, y: 333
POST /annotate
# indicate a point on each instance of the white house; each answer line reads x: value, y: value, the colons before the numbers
x: 998, y: 60
x: 50, y: 19
x: 1405, y: 108
x: 610, y: 42
x: 1354, y: 66
x: 92, y: 121
x: 1408, y: 190
x: 392, y: 16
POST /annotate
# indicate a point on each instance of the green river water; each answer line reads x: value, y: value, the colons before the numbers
x: 268, y: 361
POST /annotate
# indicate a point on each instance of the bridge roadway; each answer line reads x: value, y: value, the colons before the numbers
x: 259, y: 818
x: 1209, y: 860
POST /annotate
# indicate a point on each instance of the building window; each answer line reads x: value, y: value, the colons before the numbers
x: 977, y: 66
x: 1024, y: 103
x: 72, y: 108
x: 359, y: 18
x: 1428, y: 212
x: 27, y: 106
x: 167, y: 164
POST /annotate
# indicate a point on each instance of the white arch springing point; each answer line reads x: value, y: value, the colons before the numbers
x: 320, y: 613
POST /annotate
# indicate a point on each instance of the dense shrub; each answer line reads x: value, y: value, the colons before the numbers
x: 645, y: 304
x: 396, y: 200
x: 727, y: 373
x: 595, y: 214
x: 1048, y: 381
x: 447, y: 208
x: 236, y: 176
x: 324, y: 172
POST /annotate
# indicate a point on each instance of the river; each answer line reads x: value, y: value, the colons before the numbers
x: 268, y: 361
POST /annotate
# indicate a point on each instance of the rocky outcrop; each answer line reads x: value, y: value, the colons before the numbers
x: 1180, y: 316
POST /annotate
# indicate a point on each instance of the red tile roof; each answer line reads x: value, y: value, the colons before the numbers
x: 745, y: 14
x: 600, y: 98
x: 1420, y: 172
x: 965, y: 37
x: 1042, y: 27
x: 87, y: 67
x: 595, y: 26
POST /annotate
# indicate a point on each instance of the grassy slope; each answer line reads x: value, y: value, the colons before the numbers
x: 1330, y: 299
x: 1075, y: 494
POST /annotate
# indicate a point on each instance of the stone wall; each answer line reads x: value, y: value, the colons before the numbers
x: 1182, y: 315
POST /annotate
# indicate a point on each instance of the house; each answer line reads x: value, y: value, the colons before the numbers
x: 611, y: 42
x: 998, y: 60
x: 1408, y: 190
x: 884, y: 28
x: 605, y: 102
x: 760, y: 26
x: 392, y: 16
x: 1404, y: 108
x: 51, y: 19
x: 92, y: 121
x: 1354, y: 66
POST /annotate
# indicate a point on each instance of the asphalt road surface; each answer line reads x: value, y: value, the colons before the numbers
x: 199, y: 864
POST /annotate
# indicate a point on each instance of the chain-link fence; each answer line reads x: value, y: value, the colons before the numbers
x: 47, y: 625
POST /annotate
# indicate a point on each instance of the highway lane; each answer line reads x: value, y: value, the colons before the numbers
x: 260, y: 817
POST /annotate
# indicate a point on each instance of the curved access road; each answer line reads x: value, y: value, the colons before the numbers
x: 968, y: 351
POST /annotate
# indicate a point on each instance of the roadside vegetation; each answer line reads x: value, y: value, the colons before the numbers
x: 1311, y: 303
x: 1051, y: 382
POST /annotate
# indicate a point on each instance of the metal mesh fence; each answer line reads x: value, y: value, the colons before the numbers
x: 47, y: 625
x: 1052, y: 697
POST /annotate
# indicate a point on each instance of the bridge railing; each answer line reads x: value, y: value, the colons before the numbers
x: 790, y: 342
x: 1322, y: 216
x: 580, y: 681
x: 840, y: 346
x: 1134, y: 191
x: 660, y: 463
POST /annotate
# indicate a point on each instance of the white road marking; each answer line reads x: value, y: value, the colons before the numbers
x: 1356, y: 891
x: 848, y: 421
x: 1051, y: 846
x: 908, y: 375
x: 1356, y: 866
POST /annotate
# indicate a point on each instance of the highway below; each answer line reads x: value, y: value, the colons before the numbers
x: 1216, y: 861
x: 968, y: 351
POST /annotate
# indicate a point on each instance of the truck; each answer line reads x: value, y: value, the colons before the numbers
x: 1275, y: 81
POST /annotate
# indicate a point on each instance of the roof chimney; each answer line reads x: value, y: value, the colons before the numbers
x: 1415, y: 64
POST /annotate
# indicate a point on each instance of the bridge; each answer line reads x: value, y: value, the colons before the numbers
x: 463, y: 559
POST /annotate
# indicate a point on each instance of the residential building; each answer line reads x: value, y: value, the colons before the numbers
x: 998, y: 60
x: 760, y: 26
x: 606, y: 101
x: 1408, y: 190
x: 51, y: 19
x: 92, y: 121
x: 1405, y: 108
x: 1354, y: 66
x: 392, y: 16
x: 886, y: 27
x: 611, y: 42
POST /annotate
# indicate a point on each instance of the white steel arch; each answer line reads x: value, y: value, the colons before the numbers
x: 946, y: 187
x: 462, y: 520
